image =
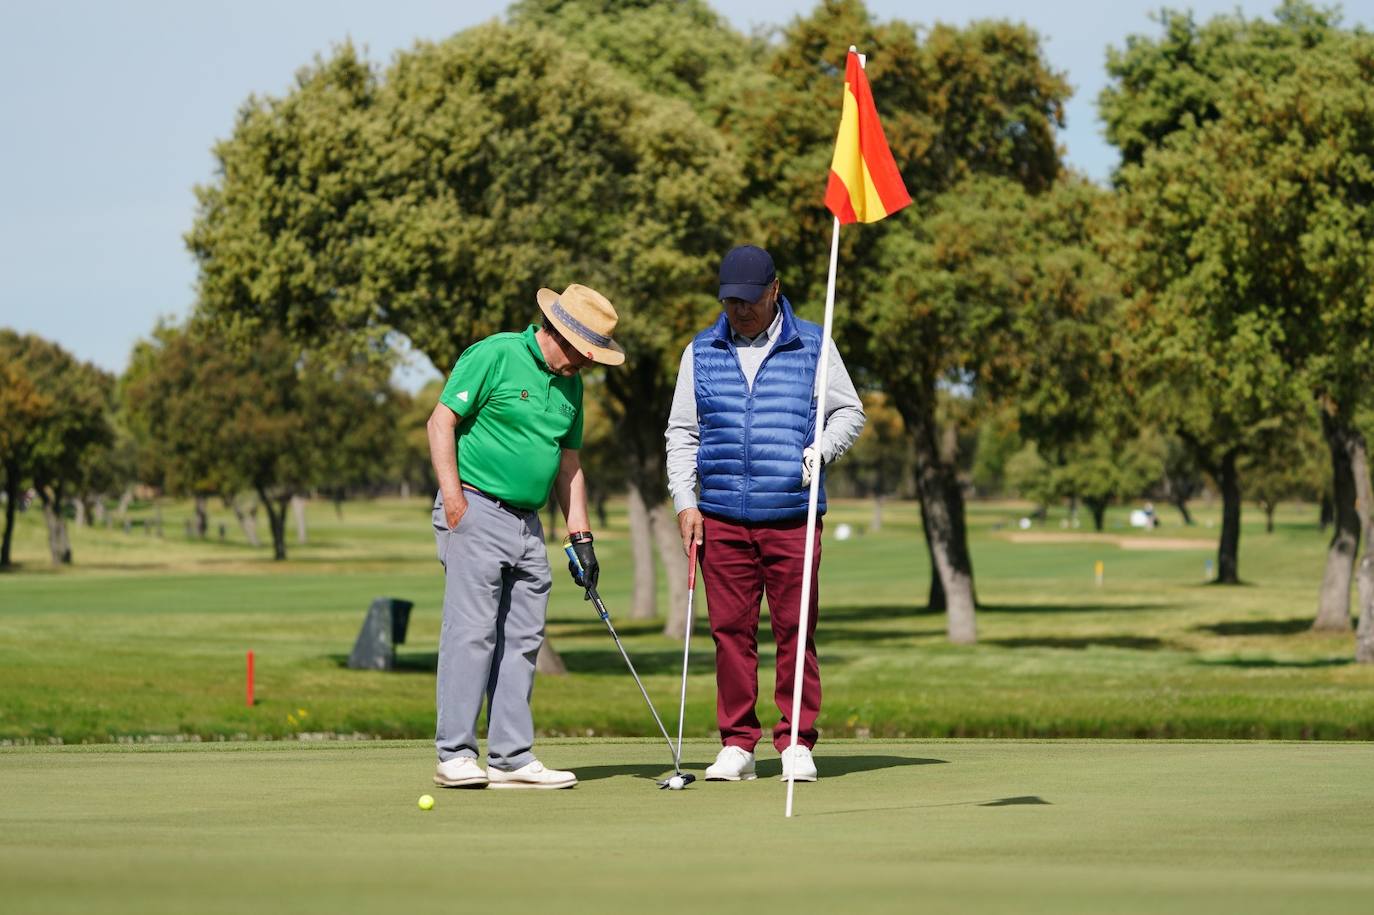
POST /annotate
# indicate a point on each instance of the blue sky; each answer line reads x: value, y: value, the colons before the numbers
x: 110, y: 108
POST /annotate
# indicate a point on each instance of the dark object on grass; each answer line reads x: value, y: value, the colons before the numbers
x: 384, y: 628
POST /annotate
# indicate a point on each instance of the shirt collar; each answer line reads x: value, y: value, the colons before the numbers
x: 770, y: 335
x: 533, y: 343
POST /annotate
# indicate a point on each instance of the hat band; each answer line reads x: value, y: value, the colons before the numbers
x: 577, y: 326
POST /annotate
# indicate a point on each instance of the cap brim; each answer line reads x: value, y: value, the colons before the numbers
x: 604, y: 355
x: 749, y: 292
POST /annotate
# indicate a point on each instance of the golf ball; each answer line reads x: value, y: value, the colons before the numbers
x: 426, y: 802
x: 676, y: 783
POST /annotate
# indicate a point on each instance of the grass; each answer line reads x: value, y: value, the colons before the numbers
x: 934, y: 826
x: 146, y: 635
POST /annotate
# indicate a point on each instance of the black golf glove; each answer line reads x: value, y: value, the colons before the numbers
x: 586, y: 556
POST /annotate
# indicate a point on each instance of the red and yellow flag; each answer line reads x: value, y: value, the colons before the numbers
x: 865, y: 185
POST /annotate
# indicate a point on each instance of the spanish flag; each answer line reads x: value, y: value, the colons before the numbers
x: 865, y: 185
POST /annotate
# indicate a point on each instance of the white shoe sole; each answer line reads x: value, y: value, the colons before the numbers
x: 536, y: 785
x: 475, y: 781
x: 742, y: 777
x: 799, y: 778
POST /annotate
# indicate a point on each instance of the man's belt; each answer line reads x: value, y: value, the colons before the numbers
x: 499, y: 503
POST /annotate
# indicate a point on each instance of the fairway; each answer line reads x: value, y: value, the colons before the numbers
x: 147, y: 635
x: 930, y: 826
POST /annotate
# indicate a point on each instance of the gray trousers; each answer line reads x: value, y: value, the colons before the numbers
x: 496, y: 593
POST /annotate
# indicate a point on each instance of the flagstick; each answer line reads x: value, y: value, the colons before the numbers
x: 822, y: 382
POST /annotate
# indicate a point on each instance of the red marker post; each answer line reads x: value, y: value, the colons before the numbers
x: 250, y: 679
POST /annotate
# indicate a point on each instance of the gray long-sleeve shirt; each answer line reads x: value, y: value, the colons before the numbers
x: 844, y: 412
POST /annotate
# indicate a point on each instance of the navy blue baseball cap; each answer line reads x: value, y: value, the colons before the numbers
x: 746, y: 273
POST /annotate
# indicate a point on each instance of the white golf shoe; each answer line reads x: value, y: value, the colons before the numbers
x: 460, y: 772
x: 798, y: 761
x: 533, y: 775
x: 733, y: 764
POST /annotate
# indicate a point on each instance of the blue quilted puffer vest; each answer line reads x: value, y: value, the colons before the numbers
x: 749, y: 462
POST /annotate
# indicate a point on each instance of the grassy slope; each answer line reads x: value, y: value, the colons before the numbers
x: 939, y: 826
x: 147, y: 635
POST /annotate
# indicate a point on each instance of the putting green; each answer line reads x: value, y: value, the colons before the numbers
x: 929, y: 826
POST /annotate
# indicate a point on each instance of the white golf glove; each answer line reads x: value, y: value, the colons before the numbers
x: 811, y: 460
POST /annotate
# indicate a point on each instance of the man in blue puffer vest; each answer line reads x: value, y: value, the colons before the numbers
x: 742, y: 426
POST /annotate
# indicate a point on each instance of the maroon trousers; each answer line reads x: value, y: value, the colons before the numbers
x: 739, y: 564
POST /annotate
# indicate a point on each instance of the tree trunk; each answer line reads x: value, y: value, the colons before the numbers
x: 935, y: 597
x: 83, y: 518
x: 644, y: 602
x: 1269, y: 516
x: 202, y: 526
x: 1098, y: 508
x: 11, y: 506
x: 942, y: 503
x: 276, y: 520
x: 1333, y: 607
x: 877, y: 523
x: 548, y: 661
x: 640, y: 396
x: 298, y: 510
x: 1228, y: 550
x: 668, y: 537
x: 1364, y: 577
x: 599, y: 505
x: 59, y: 544
x: 1327, y: 512
x: 1181, y: 504
x: 248, y: 520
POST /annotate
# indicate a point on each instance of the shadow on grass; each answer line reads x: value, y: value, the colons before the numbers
x: 876, y: 612
x: 828, y: 635
x: 831, y: 767
x: 1029, y: 800
x: 1258, y: 627
x: 408, y: 662
x: 624, y: 628
x: 647, y: 663
x: 1264, y: 663
x: 1073, y: 608
x: 840, y: 766
x: 1139, y: 643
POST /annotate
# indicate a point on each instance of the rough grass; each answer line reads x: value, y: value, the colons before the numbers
x: 146, y: 635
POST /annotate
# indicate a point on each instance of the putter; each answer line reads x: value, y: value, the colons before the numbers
x: 683, y: 779
x: 686, y: 645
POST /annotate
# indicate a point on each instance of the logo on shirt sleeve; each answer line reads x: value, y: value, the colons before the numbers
x: 463, y: 396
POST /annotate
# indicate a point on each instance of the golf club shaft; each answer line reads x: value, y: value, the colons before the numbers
x: 686, y: 641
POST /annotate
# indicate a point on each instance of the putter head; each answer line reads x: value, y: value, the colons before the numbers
x: 686, y: 777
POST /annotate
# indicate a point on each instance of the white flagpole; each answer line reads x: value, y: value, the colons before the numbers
x: 808, y: 561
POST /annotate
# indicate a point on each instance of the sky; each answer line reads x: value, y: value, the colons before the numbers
x: 110, y: 110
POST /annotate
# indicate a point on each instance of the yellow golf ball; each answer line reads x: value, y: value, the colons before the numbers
x: 426, y: 802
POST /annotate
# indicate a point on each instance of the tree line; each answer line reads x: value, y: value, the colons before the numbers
x: 1210, y: 312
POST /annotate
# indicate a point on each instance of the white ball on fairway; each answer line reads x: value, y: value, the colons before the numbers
x: 676, y: 783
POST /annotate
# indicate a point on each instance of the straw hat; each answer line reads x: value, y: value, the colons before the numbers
x: 586, y: 320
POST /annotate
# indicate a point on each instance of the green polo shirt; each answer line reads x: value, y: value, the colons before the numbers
x: 515, y: 417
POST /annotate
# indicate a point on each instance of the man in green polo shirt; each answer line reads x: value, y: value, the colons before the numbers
x: 508, y: 426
